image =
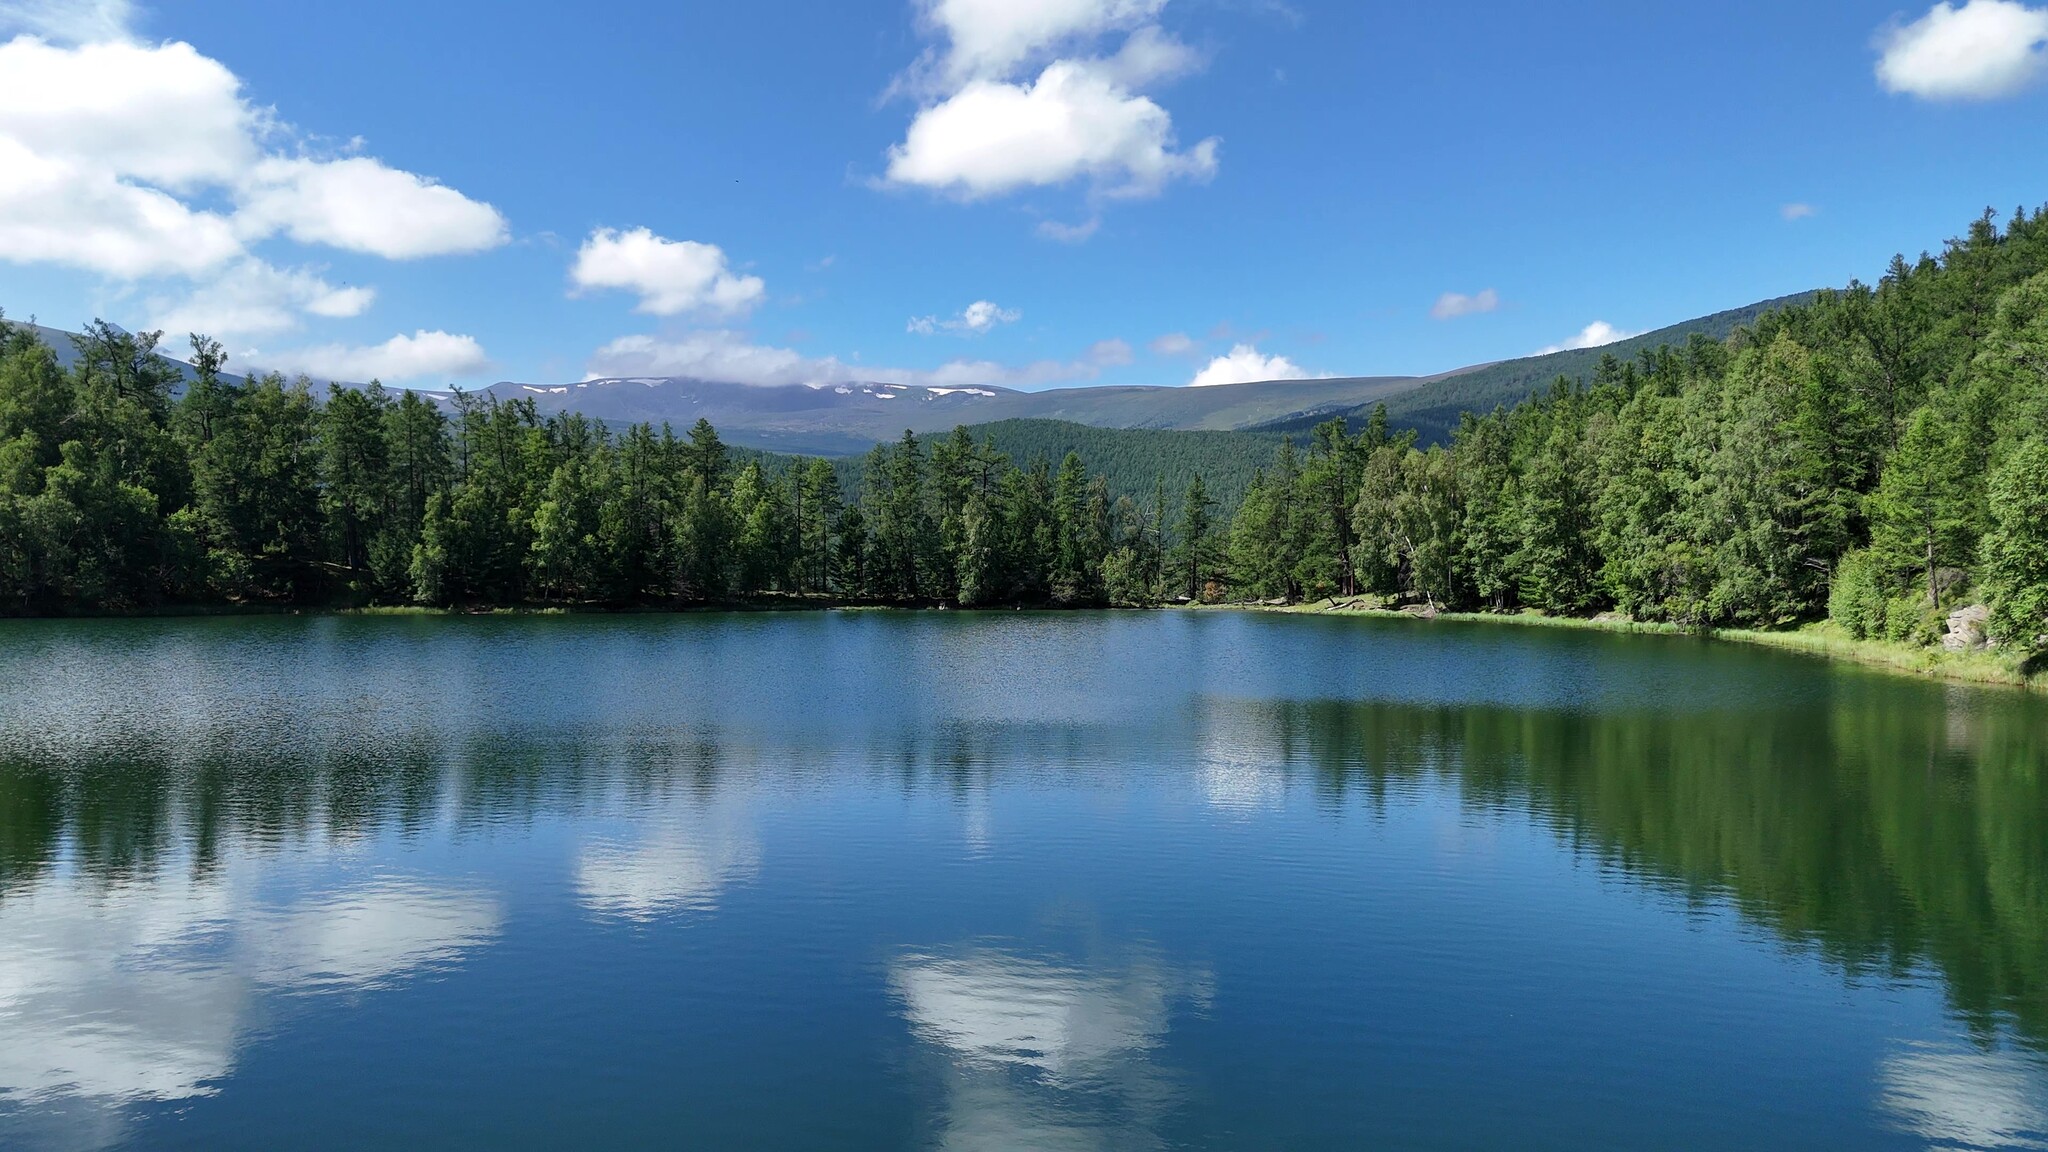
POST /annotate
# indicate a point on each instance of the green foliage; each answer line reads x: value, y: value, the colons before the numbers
x: 2016, y: 547
x: 1857, y: 600
x: 1721, y: 483
x: 1887, y: 437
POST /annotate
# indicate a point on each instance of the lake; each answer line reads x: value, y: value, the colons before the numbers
x: 1203, y: 880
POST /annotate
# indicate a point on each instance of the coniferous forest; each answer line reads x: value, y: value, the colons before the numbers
x: 1878, y: 455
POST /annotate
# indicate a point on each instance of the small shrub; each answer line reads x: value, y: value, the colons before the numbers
x: 1857, y: 602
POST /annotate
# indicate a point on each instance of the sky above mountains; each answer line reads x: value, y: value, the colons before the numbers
x: 981, y: 192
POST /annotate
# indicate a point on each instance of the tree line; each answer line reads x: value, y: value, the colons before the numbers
x: 1878, y: 455
x: 125, y: 487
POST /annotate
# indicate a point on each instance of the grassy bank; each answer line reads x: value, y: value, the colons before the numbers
x: 1822, y: 639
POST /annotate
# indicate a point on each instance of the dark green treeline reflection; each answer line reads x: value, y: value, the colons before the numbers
x: 1881, y: 832
x: 1886, y: 827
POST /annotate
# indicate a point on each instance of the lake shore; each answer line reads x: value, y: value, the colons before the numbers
x: 1822, y: 639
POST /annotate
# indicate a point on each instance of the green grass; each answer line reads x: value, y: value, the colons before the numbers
x: 1827, y: 640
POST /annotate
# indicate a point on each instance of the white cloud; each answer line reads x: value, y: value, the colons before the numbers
x: 1150, y: 55
x: 1072, y: 121
x: 1070, y: 233
x: 1984, y: 50
x: 57, y: 211
x: 1173, y: 344
x: 160, y: 114
x: 670, y: 276
x: 1452, y: 305
x: 1245, y: 365
x: 67, y: 21
x: 1598, y: 334
x: 1005, y: 109
x: 144, y: 161
x: 253, y: 298
x: 977, y: 319
x: 991, y: 38
x: 1793, y: 212
x: 361, y: 205
x: 421, y: 356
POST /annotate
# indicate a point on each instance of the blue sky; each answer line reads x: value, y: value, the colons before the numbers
x: 981, y: 191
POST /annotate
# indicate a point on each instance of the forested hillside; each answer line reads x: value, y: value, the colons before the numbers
x: 1433, y: 408
x: 1133, y: 460
x: 1879, y: 454
x: 116, y: 497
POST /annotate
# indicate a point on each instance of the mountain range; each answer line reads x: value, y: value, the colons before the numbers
x: 847, y: 419
x: 843, y: 419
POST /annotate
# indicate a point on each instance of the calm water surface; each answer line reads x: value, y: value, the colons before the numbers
x: 1177, y: 880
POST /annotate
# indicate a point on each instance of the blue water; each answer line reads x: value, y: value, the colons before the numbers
x: 873, y: 880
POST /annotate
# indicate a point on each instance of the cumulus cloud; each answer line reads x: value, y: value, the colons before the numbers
x: 1245, y: 365
x: 1598, y: 334
x: 670, y: 276
x: 1452, y: 305
x: 1014, y: 101
x: 144, y: 161
x: 422, y: 356
x: 1173, y: 344
x: 977, y: 319
x: 361, y: 205
x: 1072, y: 121
x: 1984, y: 50
x: 253, y: 298
x: 55, y: 211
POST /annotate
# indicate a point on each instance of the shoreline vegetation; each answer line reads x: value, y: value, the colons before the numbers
x: 1861, y: 475
x: 1820, y: 639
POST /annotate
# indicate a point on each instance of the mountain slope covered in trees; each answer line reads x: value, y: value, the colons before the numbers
x: 1878, y: 454
x: 1433, y: 407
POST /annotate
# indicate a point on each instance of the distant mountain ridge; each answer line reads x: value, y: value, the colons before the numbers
x: 61, y: 342
x: 842, y: 419
x: 848, y: 418
x: 1434, y: 406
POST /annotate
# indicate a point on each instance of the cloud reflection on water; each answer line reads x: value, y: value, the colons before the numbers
x: 142, y: 990
x: 1962, y: 1099
x: 679, y: 861
x: 1045, y: 1055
